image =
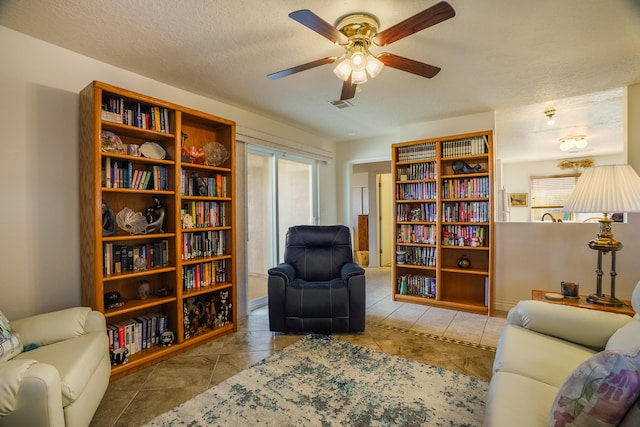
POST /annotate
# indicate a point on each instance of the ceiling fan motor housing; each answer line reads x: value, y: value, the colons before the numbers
x: 360, y: 28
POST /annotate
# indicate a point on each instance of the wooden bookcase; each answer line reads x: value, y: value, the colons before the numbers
x: 194, y: 311
x: 443, y: 216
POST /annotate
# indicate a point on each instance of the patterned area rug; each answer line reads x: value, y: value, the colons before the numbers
x: 322, y: 381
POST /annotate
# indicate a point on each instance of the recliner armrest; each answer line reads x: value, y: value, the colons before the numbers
x: 349, y: 270
x: 590, y: 328
x: 284, y: 270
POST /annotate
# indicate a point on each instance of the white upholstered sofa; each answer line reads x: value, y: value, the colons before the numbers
x: 57, y: 372
x: 538, y: 358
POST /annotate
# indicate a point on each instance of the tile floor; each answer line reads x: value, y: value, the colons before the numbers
x: 458, y: 341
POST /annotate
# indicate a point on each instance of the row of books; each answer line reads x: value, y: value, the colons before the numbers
x: 418, y: 171
x: 191, y: 183
x: 465, y: 188
x: 203, y: 244
x: 414, y: 284
x: 465, y: 212
x: 123, y: 175
x: 409, y: 233
x: 417, y: 191
x: 423, y: 256
x: 127, y: 258
x: 463, y: 235
x: 416, y: 212
x: 425, y: 151
x: 138, y: 333
x: 117, y: 109
x: 207, y: 214
x: 204, y: 274
x: 466, y: 147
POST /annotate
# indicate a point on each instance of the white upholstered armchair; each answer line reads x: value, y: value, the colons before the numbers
x: 58, y: 373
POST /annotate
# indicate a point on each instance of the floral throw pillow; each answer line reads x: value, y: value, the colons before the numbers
x: 9, y: 342
x: 600, y: 391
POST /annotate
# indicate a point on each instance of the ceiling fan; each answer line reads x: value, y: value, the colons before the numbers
x: 356, y: 33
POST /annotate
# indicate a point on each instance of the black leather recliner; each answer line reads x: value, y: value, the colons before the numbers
x: 318, y: 287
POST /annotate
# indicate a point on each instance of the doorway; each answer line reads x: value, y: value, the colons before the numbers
x: 280, y: 193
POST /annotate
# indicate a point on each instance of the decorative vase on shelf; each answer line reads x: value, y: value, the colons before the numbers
x: 403, y: 286
x: 464, y: 262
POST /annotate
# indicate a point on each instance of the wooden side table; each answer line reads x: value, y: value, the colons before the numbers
x: 582, y: 302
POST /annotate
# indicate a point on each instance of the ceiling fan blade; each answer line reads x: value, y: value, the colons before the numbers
x: 418, y: 22
x: 408, y: 65
x: 303, y: 67
x: 348, y: 90
x: 319, y: 25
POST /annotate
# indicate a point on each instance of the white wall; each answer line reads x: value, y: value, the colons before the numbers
x: 541, y: 255
x: 39, y: 237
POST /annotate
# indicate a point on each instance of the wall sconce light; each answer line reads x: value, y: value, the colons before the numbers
x: 550, y: 113
x: 576, y: 141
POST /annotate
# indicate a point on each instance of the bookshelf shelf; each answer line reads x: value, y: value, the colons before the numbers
x: 131, y: 274
x: 147, y: 270
x: 124, y: 237
x: 136, y: 305
x: 443, y: 215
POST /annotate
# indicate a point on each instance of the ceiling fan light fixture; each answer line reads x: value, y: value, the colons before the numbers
x: 343, y: 70
x: 374, y: 66
x: 550, y: 113
x: 358, y: 77
x: 569, y: 142
x: 358, y: 60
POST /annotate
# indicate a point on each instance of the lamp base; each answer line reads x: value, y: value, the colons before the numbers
x: 604, y: 300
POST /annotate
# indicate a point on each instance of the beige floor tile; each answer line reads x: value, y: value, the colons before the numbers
x: 492, y: 331
x: 467, y: 327
x: 150, y: 403
x: 434, y: 321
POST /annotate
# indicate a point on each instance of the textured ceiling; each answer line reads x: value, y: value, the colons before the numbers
x: 514, y: 57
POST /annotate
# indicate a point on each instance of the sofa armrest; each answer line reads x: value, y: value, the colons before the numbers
x: 52, y: 327
x: 30, y: 394
x: 591, y: 328
x: 96, y: 322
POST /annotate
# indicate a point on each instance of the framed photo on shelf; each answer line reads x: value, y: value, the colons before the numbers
x: 518, y: 200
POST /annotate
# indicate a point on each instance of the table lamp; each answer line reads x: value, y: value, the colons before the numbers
x: 607, y: 189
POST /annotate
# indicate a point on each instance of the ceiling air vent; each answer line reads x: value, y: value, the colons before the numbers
x: 339, y: 103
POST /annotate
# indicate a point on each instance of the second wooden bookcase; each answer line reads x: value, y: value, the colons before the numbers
x: 443, y: 222
x: 141, y: 158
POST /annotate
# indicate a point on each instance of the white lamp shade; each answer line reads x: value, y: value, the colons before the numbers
x: 606, y: 189
x: 358, y: 61
x: 343, y: 70
x: 374, y: 66
x: 358, y: 77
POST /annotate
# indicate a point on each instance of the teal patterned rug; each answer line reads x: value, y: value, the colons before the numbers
x: 322, y: 381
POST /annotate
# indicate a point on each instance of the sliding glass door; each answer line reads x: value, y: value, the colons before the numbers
x: 281, y: 192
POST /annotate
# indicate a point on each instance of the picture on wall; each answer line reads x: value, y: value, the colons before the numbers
x: 518, y: 200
